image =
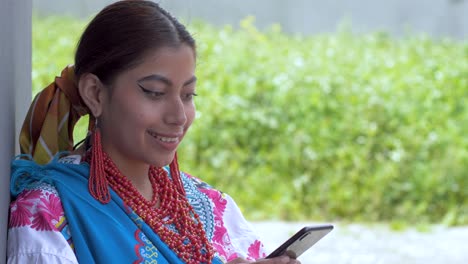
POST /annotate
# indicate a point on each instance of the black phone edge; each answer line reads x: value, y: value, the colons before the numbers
x: 281, y: 249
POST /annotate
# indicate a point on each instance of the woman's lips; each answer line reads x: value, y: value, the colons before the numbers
x: 167, y: 141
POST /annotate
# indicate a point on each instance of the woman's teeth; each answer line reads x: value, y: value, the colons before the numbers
x: 167, y: 139
x: 164, y: 139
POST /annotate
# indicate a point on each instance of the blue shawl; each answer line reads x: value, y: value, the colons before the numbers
x: 101, y: 233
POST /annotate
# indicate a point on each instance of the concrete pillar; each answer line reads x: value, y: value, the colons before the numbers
x: 15, y: 93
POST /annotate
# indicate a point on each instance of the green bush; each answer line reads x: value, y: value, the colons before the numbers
x: 326, y: 127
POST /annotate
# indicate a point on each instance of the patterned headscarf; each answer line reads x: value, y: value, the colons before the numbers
x: 48, y: 126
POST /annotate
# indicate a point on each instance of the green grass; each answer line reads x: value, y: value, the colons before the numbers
x: 327, y: 127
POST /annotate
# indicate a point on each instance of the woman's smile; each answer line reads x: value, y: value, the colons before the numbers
x: 167, y: 141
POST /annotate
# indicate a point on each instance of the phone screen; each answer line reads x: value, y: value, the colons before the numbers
x: 301, y: 241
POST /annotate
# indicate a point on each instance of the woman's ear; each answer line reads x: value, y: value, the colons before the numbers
x: 91, y: 91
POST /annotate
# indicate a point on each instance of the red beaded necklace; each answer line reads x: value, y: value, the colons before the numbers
x: 174, y: 209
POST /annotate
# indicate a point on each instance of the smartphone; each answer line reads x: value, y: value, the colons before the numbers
x: 301, y: 241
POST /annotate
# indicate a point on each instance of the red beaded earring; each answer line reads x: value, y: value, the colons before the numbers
x: 175, y: 175
x: 97, y: 184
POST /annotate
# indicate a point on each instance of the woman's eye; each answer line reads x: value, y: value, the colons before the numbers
x: 150, y: 93
x: 189, y: 96
x: 154, y: 94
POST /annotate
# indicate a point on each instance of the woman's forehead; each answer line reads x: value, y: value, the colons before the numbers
x: 168, y: 64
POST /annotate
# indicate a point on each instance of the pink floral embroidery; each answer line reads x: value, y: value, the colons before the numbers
x: 39, y: 209
x: 254, y: 251
x: 221, y: 241
x: 48, y: 213
x: 21, y: 208
x: 220, y: 231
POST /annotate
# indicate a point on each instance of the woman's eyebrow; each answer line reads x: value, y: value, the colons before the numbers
x: 190, y: 81
x: 157, y: 77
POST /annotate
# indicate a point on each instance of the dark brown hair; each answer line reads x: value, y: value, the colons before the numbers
x: 122, y: 33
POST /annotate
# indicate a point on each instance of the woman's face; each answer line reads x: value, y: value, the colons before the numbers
x: 149, y: 108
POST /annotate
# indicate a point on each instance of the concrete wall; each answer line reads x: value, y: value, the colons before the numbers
x: 15, y: 92
x: 438, y: 18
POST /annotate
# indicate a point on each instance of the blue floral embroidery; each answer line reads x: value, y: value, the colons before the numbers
x: 200, y: 203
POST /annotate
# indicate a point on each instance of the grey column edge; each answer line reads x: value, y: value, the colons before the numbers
x: 15, y: 95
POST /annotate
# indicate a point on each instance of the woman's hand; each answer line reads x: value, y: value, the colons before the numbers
x: 277, y: 260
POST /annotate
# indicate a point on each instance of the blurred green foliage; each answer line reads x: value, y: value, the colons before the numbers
x: 327, y: 127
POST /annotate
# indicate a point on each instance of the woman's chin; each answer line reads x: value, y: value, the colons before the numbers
x: 162, y: 161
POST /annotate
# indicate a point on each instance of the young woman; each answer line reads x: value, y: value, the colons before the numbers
x: 120, y: 197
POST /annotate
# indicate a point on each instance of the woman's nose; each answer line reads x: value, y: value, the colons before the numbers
x: 175, y: 114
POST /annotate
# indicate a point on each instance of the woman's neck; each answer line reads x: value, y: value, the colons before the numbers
x: 137, y: 173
